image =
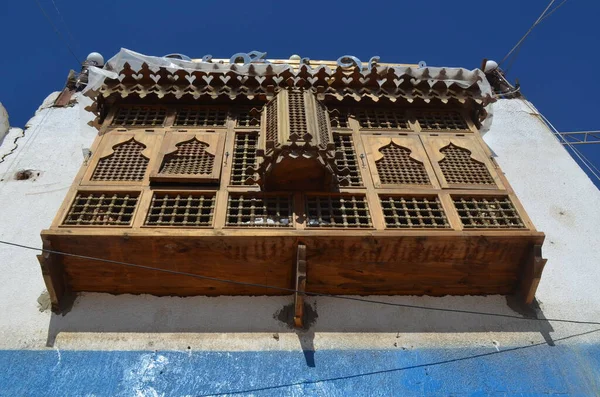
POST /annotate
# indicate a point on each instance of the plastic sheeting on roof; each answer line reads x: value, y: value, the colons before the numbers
x: 131, y: 73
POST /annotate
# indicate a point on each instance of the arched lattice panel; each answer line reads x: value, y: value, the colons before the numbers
x: 459, y: 168
x: 191, y: 158
x: 396, y: 167
x: 126, y: 163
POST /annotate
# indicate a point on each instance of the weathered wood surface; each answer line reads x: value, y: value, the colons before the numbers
x: 353, y: 265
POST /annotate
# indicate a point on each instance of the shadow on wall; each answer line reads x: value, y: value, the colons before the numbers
x: 98, y: 312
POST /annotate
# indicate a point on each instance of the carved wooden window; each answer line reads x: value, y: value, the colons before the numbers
x: 413, y: 212
x: 337, y: 211
x: 201, y: 116
x: 441, y: 121
x: 248, y: 116
x: 382, y: 118
x: 338, y: 118
x: 397, y: 161
x: 271, y: 123
x: 126, y: 163
x: 259, y: 210
x: 460, y: 162
x: 459, y: 167
x: 139, y: 116
x: 102, y: 209
x: 121, y: 158
x: 348, y: 159
x: 297, y: 114
x: 244, y: 156
x: 487, y: 213
x: 190, y: 158
x: 322, y: 123
x: 181, y: 209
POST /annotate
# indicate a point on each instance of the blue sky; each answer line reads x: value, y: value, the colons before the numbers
x: 555, y: 66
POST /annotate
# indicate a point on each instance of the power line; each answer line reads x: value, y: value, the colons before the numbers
x: 64, y: 23
x: 545, y: 14
x: 57, y: 31
x: 555, y: 132
x: 221, y: 280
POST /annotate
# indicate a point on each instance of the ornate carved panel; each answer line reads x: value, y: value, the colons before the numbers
x: 461, y: 162
x: 181, y: 209
x: 190, y: 158
x: 296, y: 147
x: 102, y: 209
x: 413, y: 212
x: 398, y: 161
x: 478, y: 212
x: 126, y: 163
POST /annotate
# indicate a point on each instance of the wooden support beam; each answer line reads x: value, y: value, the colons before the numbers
x: 532, y: 273
x: 300, y: 286
x: 54, y: 278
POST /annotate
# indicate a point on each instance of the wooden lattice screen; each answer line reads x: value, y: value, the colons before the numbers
x: 126, y: 163
x: 396, y: 167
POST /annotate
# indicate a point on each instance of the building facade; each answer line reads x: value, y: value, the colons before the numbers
x: 129, y: 344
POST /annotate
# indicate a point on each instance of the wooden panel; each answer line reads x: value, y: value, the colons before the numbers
x: 122, y: 159
x: 457, y: 159
x: 398, y: 161
x: 337, y: 264
x: 190, y: 157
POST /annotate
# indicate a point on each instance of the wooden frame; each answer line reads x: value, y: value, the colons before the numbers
x: 433, y: 145
x: 350, y: 260
x: 170, y: 146
x: 374, y: 144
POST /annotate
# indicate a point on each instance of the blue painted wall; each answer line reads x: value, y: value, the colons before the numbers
x: 522, y: 371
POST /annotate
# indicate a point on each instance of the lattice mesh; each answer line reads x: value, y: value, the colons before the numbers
x: 140, y: 116
x: 337, y: 211
x: 487, y: 213
x: 382, y: 119
x: 338, y: 118
x: 413, y: 212
x: 322, y: 123
x: 259, y: 211
x: 438, y: 121
x: 396, y: 167
x: 297, y: 114
x: 126, y: 163
x: 248, y: 116
x: 244, y: 156
x: 271, y: 127
x: 201, y: 117
x: 194, y: 209
x: 344, y: 144
x: 459, y: 168
x: 102, y: 209
x: 190, y: 158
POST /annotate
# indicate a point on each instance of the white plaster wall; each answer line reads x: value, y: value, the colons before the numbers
x: 556, y: 193
x: 4, y: 124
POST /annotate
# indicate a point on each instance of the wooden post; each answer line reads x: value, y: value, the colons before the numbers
x: 300, y: 286
x: 532, y: 273
x: 54, y: 277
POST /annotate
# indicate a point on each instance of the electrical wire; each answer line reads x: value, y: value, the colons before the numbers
x: 57, y: 31
x: 555, y: 132
x: 65, y: 24
x: 221, y: 280
x: 545, y: 14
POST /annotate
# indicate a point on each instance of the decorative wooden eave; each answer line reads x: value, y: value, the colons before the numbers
x: 130, y: 74
x: 296, y: 149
